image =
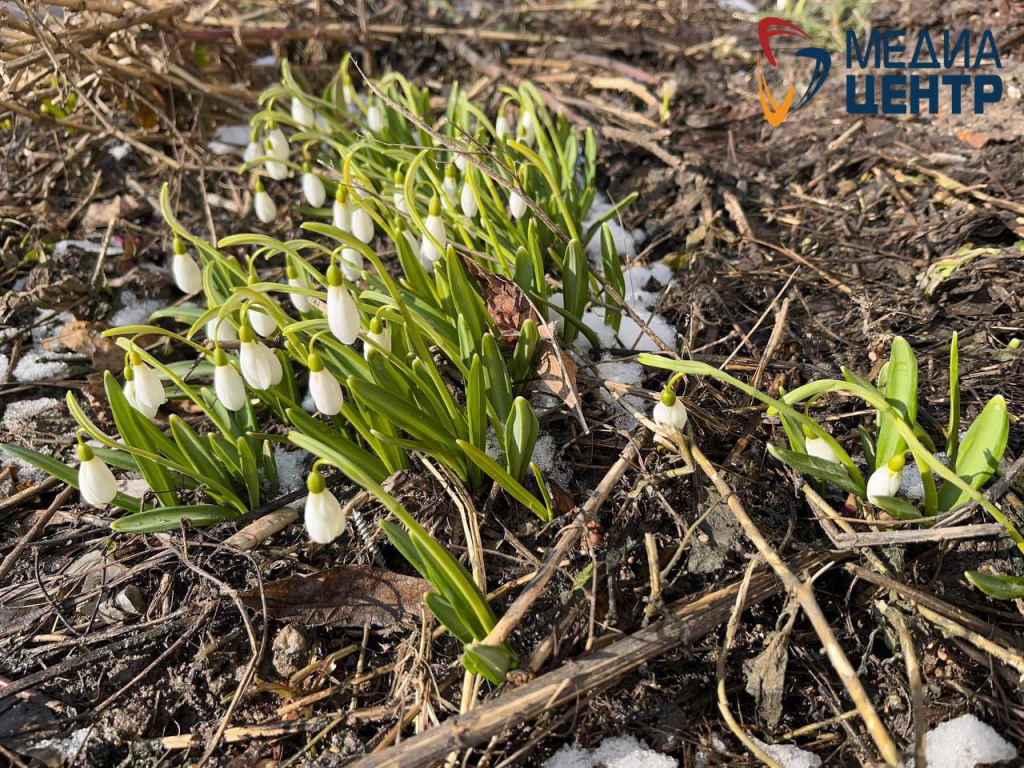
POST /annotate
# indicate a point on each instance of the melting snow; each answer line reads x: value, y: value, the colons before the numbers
x: 63, y: 246
x: 626, y: 240
x: 20, y: 413
x: 965, y: 742
x: 616, y: 752
x: 292, y: 468
x: 229, y: 139
x: 134, y: 311
x: 36, y: 365
x: 789, y: 756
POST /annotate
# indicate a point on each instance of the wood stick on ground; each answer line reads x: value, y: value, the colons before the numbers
x: 566, y: 541
x: 33, y: 533
x: 686, y: 622
x: 804, y: 592
x: 916, y: 536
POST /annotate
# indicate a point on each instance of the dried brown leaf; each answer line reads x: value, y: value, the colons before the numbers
x: 346, y: 596
x: 86, y: 338
x: 99, y: 214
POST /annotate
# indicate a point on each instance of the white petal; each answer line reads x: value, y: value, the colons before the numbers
x: 96, y: 482
x: 435, y: 226
x: 229, y: 387
x: 399, y: 200
x: 362, y: 225
x: 278, y: 144
x: 501, y: 127
x: 325, y: 519
x: 303, y: 114
x: 468, y: 201
x: 450, y: 190
x: 298, y: 300
x: 276, y: 170
x: 313, y: 190
x: 461, y: 162
x: 187, y: 274
x: 149, y: 390
x: 261, y: 322
x: 253, y: 150
x: 266, y: 209
x: 221, y: 331
x: 256, y: 368
x: 382, y: 340
x: 516, y: 205
x: 343, y: 216
x: 276, y: 369
x: 817, y: 447
x: 884, y: 482
x: 374, y: 118
x: 342, y: 314
x: 670, y: 416
x: 326, y: 392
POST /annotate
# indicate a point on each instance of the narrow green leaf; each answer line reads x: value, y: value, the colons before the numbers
x: 575, y: 287
x: 900, y: 390
x: 169, y: 518
x: 521, y: 432
x: 953, y: 430
x: 64, y: 472
x: 979, y: 453
x: 819, y: 469
x: 505, y: 480
x: 997, y: 585
x: 897, y: 507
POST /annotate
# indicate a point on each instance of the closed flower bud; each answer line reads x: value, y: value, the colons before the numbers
x: 278, y: 143
x: 129, y: 395
x: 227, y: 382
x: 362, y: 225
x: 342, y: 313
x: 303, y: 114
x: 220, y: 330
x: 430, y: 251
x: 261, y: 322
x: 263, y: 204
x: 312, y: 187
x: 342, y: 213
x: 325, y: 519
x: 253, y: 150
x: 670, y: 411
x: 886, y: 480
x: 818, y: 447
x: 467, y: 200
x: 378, y: 337
x: 461, y: 162
x: 297, y: 280
x: 374, y: 119
x: 256, y: 360
x: 276, y: 169
x: 324, y: 388
x: 527, y: 128
x: 398, y: 196
x: 516, y: 205
x: 149, y: 390
x: 450, y: 188
x: 352, y: 263
x: 501, y: 128
x: 187, y: 274
x: 96, y: 482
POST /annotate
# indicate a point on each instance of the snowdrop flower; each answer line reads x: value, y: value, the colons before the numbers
x: 342, y: 313
x: 303, y: 114
x: 95, y: 480
x: 501, y: 128
x: 227, y: 382
x: 450, y: 187
x: 461, y: 162
x: 374, y: 118
x: 516, y: 205
x: 297, y: 280
x: 342, y: 213
x: 312, y: 187
x: 429, y: 251
x: 323, y: 387
x: 256, y: 360
x: 325, y: 519
x: 818, y: 447
x: 275, y: 168
x: 263, y: 204
x: 527, y: 128
x: 129, y: 395
x: 362, y: 224
x: 378, y: 335
x: 260, y: 321
x: 220, y: 330
x: 467, y: 200
x: 149, y: 390
x: 278, y: 143
x: 398, y: 196
x: 351, y: 263
x: 253, y: 149
x: 187, y: 274
x: 886, y: 480
x: 670, y: 412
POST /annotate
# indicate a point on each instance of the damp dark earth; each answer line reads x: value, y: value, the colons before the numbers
x: 535, y: 384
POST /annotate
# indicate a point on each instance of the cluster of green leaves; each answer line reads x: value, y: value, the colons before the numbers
x: 897, y: 431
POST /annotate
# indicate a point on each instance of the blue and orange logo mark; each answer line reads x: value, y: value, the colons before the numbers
x: 774, y: 111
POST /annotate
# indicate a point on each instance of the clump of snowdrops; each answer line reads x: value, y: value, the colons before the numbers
x: 950, y: 479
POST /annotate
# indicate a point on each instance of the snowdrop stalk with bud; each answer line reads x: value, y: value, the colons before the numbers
x: 96, y: 482
x: 312, y: 187
x: 342, y: 312
x: 325, y: 519
x: 323, y: 387
x: 227, y: 382
x: 263, y: 204
x: 187, y: 274
x: 886, y: 480
x: 818, y: 447
x: 256, y: 360
x: 431, y: 252
x: 670, y: 413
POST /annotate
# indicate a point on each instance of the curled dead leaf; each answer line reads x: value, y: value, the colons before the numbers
x: 86, y: 338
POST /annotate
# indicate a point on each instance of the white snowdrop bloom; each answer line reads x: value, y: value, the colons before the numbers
x: 96, y: 482
x: 325, y: 518
x: 352, y: 263
x: 324, y: 388
x: 312, y: 187
x: 516, y: 205
x: 187, y: 274
x: 467, y: 201
x: 297, y: 279
x: 886, y: 480
x: 378, y: 335
x: 398, y: 196
x: 348, y: 94
x: 501, y: 129
x: 429, y: 251
x: 260, y: 321
x: 670, y: 411
x: 342, y: 312
x: 450, y: 188
x: 278, y: 143
x: 527, y: 128
x: 303, y: 114
x: 461, y: 162
x: 256, y: 360
x: 342, y: 212
x: 362, y: 224
x: 133, y: 401
x: 263, y: 204
x: 220, y: 330
x: 253, y: 150
x: 227, y: 382
x: 818, y: 447
x: 276, y: 169
x: 374, y: 119
x: 149, y: 390
x: 276, y: 369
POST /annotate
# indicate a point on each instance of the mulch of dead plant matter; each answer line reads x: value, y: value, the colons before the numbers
x: 796, y: 251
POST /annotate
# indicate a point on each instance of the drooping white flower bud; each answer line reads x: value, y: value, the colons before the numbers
x: 362, y: 224
x: 352, y: 263
x: 516, y: 205
x: 220, y: 330
x: 501, y: 129
x: 886, y: 480
x: 129, y: 395
x: 187, y: 274
x: 324, y: 388
x: 467, y: 201
x: 96, y: 482
x: 256, y: 360
x: 262, y: 322
x: 374, y: 118
x: 325, y: 519
x: 276, y: 169
x: 429, y: 250
x: 303, y: 114
x: 818, y: 447
x: 253, y: 149
x: 149, y: 390
x: 227, y: 382
x: 342, y: 312
x: 398, y: 196
x: 263, y: 204
x: 312, y: 187
x: 461, y: 162
x: 297, y: 279
x: 450, y: 188
x: 527, y: 128
x: 377, y: 337
x: 670, y: 411
x: 342, y: 212
x: 278, y: 143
